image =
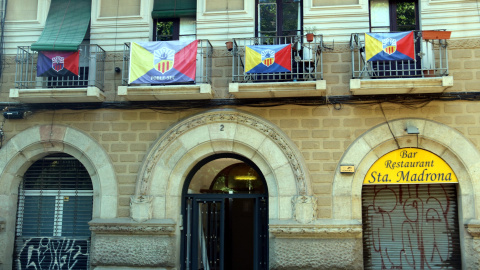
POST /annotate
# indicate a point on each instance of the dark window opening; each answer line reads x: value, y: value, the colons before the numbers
x: 405, y: 16
x: 166, y: 29
x: 278, y: 18
x: 394, y: 15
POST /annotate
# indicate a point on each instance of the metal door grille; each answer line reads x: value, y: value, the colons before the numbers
x: 54, y: 207
x: 209, y: 235
x: 262, y: 260
x: 410, y: 227
x: 207, y: 231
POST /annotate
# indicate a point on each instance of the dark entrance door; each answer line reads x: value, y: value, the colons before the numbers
x: 225, y: 226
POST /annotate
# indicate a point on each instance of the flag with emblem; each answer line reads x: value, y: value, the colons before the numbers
x: 389, y: 46
x: 161, y: 62
x: 268, y: 58
x: 57, y: 63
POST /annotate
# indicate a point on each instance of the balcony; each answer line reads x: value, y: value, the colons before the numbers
x: 199, y: 89
x: 304, y: 79
x: 427, y: 73
x: 86, y: 87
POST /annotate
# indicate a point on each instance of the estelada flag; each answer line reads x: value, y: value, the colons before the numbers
x: 389, y: 46
x: 268, y: 58
x: 160, y: 62
x: 57, y: 63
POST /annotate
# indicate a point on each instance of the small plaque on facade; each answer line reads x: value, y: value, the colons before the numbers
x: 347, y: 168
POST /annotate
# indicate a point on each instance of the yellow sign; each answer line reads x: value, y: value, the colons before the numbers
x: 410, y: 166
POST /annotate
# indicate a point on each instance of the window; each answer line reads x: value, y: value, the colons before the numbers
x: 21, y: 10
x: 174, y: 20
x: 393, y: 15
x: 322, y: 3
x: 279, y: 18
x: 67, y: 29
x: 116, y: 8
x: 174, y: 29
x: 224, y: 5
x: 166, y: 30
x: 54, y: 207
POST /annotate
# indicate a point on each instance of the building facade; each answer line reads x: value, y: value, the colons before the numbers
x: 341, y: 161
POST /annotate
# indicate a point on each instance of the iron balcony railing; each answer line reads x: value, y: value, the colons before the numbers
x: 204, y: 63
x: 91, y: 70
x: 431, y: 60
x: 307, y: 61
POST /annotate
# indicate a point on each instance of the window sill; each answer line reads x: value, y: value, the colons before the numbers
x: 57, y: 95
x: 167, y: 92
x: 278, y: 89
x: 400, y: 86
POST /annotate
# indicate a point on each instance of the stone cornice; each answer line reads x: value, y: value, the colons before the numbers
x: 316, y: 231
x: 473, y: 229
x: 128, y: 226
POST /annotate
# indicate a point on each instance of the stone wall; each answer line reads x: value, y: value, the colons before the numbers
x: 321, y: 133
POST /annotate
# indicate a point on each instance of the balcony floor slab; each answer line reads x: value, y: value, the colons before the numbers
x: 278, y: 89
x: 400, y: 86
x: 167, y: 92
x: 57, y: 95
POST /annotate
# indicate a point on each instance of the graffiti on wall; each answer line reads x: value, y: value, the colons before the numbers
x: 410, y: 227
x: 53, y: 253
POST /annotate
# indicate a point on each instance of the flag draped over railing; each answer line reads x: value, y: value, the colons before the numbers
x: 57, y: 63
x: 268, y: 58
x: 389, y: 46
x: 161, y: 62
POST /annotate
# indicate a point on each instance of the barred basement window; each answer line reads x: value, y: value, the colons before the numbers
x: 54, y: 207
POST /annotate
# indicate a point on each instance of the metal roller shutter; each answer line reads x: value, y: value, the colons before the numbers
x: 410, y: 227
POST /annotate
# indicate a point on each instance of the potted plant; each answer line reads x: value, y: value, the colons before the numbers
x: 229, y: 45
x: 309, y: 33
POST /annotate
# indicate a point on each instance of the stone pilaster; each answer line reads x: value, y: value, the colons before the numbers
x: 304, y: 209
x: 141, y: 208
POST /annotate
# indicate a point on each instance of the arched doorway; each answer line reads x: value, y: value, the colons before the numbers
x: 225, y: 215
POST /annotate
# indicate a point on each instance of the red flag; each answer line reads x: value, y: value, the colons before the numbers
x: 58, y: 63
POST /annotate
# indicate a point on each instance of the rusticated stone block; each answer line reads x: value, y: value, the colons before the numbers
x: 307, y: 254
x: 137, y: 250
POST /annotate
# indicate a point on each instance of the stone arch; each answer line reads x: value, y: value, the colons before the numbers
x: 444, y: 141
x: 28, y: 146
x: 36, y: 142
x: 173, y: 155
